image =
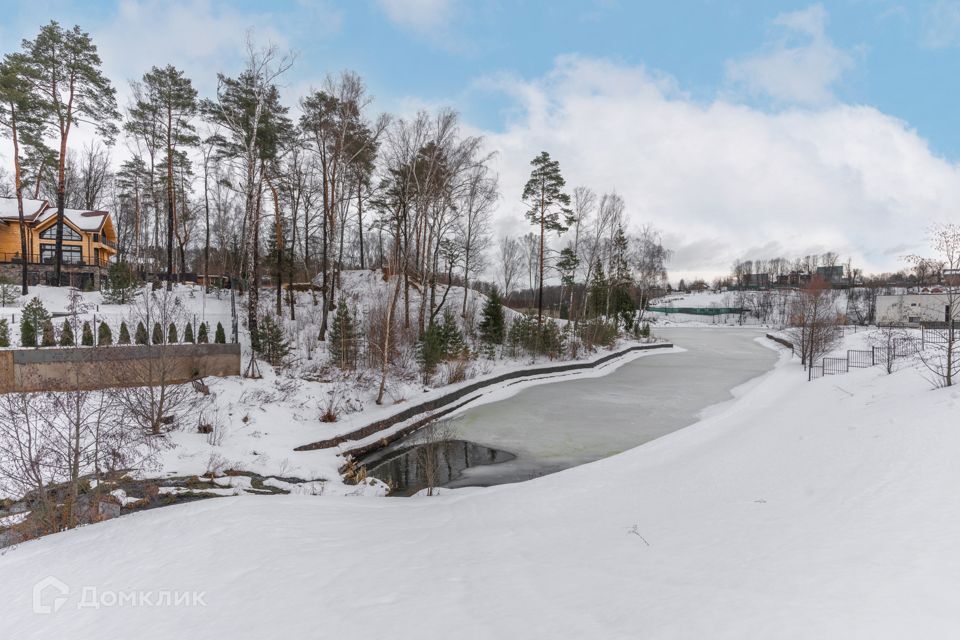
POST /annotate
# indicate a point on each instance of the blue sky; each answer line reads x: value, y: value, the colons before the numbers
x: 855, y: 100
x: 904, y: 55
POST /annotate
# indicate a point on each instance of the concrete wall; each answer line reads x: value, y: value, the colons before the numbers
x: 911, y: 308
x: 66, y: 369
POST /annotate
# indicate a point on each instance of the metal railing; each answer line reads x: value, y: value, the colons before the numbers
x: 16, y: 258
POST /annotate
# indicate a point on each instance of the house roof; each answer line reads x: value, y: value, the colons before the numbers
x: 31, y: 208
x: 83, y: 220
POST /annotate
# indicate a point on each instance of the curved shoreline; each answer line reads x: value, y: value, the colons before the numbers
x: 447, y: 403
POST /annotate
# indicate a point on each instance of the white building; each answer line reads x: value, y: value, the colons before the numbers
x: 913, y: 308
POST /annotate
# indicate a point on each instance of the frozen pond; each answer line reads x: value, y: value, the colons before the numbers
x: 563, y: 424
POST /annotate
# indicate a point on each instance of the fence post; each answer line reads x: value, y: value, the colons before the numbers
x: 873, y: 356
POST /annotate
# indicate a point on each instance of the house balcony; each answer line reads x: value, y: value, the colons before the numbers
x: 68, y: 261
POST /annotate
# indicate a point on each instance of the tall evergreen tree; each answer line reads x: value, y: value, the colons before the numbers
x: 65, y: 74
x: 549, y: 208
x: 20, y: 120
x: 167, y: 102
x: 493, y: 325
x: 202, y: 334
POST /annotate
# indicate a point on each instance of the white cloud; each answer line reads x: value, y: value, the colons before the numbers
x: 422, y: 16
x: 723, y: 180
x: 800, y: 66
x: 941, y: 25
x: 434, y: 21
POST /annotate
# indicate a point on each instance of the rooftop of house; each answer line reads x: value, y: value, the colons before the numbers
x: 38, y: 211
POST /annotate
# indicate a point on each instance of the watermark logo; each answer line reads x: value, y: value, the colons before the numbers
x: 49, y: 595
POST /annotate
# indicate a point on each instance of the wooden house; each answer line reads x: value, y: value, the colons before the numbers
x: 89, y: 243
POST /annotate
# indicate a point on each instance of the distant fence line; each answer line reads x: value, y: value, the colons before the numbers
x: 700, y: 311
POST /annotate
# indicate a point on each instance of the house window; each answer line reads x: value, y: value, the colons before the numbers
x: 71, y: 255
x: 50, y: 233
x: 96, y: 237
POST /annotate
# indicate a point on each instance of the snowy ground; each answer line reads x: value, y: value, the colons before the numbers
x: 802, y: 510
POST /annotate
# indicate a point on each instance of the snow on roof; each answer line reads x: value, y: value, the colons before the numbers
x: 81, y: 219
x: 8, y: 208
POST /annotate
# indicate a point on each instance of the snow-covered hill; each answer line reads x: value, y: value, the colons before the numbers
x: 802, y: 510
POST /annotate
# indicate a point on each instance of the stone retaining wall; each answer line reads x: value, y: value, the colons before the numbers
x: 454, y: 396
x: 70, y: 368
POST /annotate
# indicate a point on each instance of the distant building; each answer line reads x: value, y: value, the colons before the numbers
x: 912, y: 308
x: 832, y: 275
x: 756, y: 281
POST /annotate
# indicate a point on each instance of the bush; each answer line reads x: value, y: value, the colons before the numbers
x: 526, y: 336
x: 202, y: 334
x: 66, y: 335
x: 172, y: 337
x: 87, y: 338
x: 48, y: 338
x: 220, y: 337
x: 105, y: 336
x: 31, y: 321
x: 141, y: 335
x: 598, y: 332
x: 157, y: 337
x: 9, y: 292
x: 188, y: 333
x: 124, y: 333
x: 4, y: 333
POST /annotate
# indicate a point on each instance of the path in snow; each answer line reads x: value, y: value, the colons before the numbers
x: 564, y: 424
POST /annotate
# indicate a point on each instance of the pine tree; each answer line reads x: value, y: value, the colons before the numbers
x: 274, y: 346
x: 124, y: 337
x: 188, y: 333
x: 492, y: 325
x: 202, y: 334
x: 31, y: 322
x: 105, y: 336
x: 65, y: 74
x: 21, y: 120
x: 141, y: 335
x: 66, y: 335
x: 48, y: 338
x: 120, y: 285
x: 343, y: 338
x: 430, y: 351
x: 220, y: 337
x: 451, y: 337
x: 172, y: 337
x: 549, y: 208
x: 167, y: 105
x: 157, y: 337
x: 4, y: 333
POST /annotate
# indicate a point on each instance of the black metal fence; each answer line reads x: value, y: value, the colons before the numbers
x: 896, y: 347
